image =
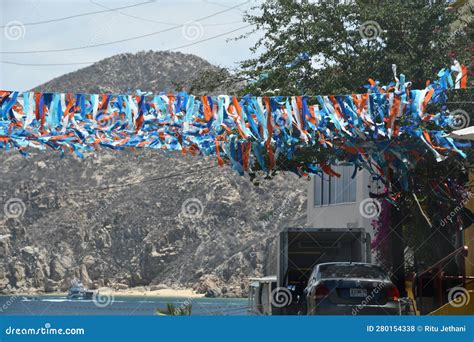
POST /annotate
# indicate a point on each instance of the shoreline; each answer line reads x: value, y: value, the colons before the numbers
x: 132, y: 292
x: 182, y: 293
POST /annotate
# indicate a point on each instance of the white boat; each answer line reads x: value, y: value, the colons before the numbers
x: 79, y: 291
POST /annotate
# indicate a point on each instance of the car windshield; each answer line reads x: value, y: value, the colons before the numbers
x: 352, y: 271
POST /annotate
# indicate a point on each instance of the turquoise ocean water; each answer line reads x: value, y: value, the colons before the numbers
x: 119, y: 305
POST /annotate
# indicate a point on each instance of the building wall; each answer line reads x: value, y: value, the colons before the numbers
x: 341, y: 215
x: 349, y: 215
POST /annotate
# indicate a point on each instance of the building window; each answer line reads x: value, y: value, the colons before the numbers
x: 333, y: 190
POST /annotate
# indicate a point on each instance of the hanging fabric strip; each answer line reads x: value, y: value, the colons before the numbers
x: 386, y: 126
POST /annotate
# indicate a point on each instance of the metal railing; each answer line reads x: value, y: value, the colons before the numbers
x: 438, y: 277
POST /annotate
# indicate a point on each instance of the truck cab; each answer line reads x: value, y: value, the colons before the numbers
x: 301, y: 249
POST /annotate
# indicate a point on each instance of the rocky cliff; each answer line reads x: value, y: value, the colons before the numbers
x: 138, y: 218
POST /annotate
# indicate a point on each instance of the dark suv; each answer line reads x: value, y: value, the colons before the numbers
x: 343, y: 288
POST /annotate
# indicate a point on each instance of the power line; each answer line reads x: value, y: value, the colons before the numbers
x: 160, y: 22
x: 153, y: 179
x: 81, y: 15
x: 210, y: 38
x: 44, y: 64
x: 116, y: 10
x: 222, y: 5
x: 120, y: 40
x: 171, y: 49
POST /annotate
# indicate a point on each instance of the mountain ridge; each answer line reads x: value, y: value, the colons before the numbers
x: 155, y: 71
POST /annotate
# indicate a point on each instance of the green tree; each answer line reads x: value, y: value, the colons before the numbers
x: 330, y: 47
x: 333, y: 47
x: 173, y: 310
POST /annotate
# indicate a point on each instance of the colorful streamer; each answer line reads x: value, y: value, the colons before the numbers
x: 376, y: 130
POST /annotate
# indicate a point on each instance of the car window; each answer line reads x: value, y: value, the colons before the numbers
x: 352, y: 271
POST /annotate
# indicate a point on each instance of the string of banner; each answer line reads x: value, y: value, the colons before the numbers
x: 250, y: 133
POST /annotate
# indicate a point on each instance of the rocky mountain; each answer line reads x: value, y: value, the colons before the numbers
x: 157, y: 72
x: 137, y: 219
x: 142, y: 217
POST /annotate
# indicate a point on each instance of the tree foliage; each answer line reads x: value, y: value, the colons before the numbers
x: 332, y: 47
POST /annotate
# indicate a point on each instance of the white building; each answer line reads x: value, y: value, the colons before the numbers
x: 342, y: 202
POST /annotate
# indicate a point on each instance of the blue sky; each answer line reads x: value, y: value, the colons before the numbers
x: 181, y: 19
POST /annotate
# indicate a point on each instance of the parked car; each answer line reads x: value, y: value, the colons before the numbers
x: 344, y: 288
